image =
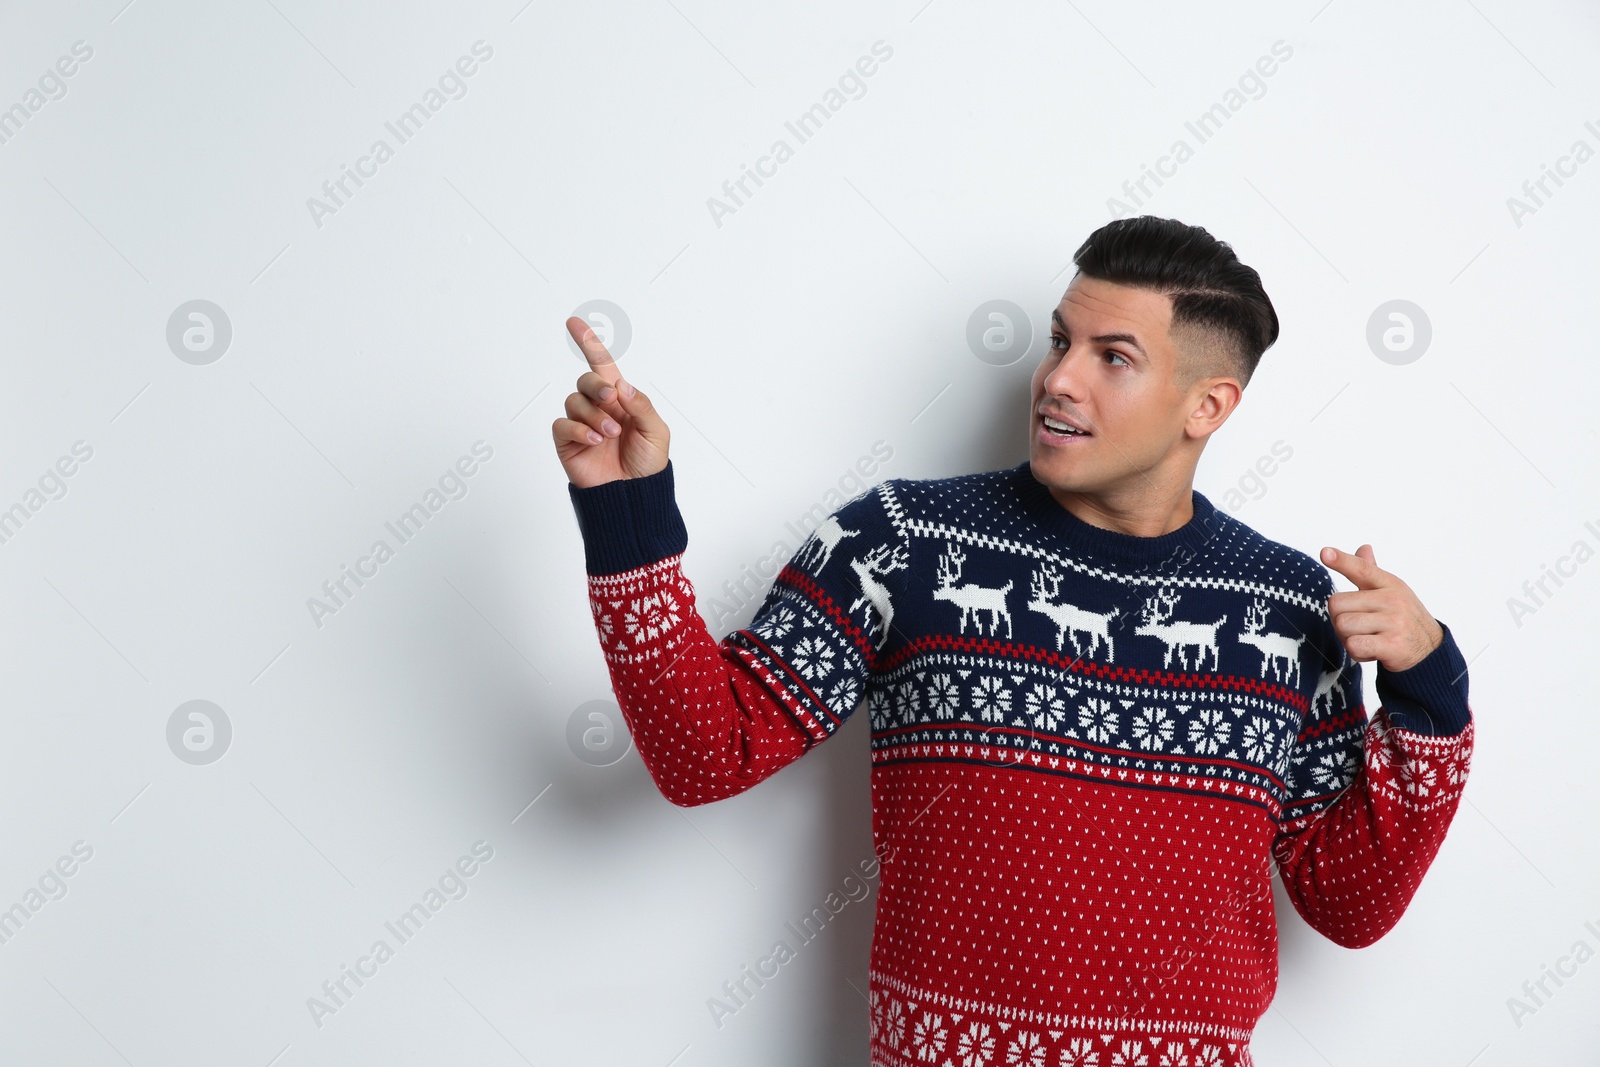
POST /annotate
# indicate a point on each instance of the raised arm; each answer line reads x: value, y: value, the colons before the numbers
x: 710, y: 718
x: 1369, y: 801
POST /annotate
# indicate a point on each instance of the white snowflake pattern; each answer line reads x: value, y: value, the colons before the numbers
x: 943, y: 696
x: 1209, y: 731
x: 928, y: 1037
x: 1286, y: 741
x: 1378, y: 754
x: 878, y: 709
x: 813, y: 658
x: 778, y: 623
x: 602, y: 621
x: 894, y: 1023
x: 1026, y: 1050
x: 1079, y: 1052
x: 1173, y: 1055
x: 1097, y: 721
x: 843, y: 695
x: 1417, y: 776
x: 1207, y: 1056
x: 1045, y: 706
x: 992, y: 699
x: 1152, y: 728
x: 908, y: 703
x: 1257, y: 740
x: 975, y: 1046
x: 1131, y: 1054
x: 650, y: 616
x: 1334, y: 770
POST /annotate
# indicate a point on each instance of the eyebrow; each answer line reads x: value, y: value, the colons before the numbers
x: 1105, y: 338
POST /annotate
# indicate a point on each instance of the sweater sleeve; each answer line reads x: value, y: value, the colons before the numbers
x: 1369, y: 801
x: 712, y: 718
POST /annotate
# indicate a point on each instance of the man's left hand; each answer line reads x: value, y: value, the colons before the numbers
x: 1382, y: 619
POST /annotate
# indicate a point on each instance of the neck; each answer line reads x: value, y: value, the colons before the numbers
x: 1151, y: 511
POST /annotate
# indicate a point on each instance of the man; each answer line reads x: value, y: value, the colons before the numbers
x: 1103, y: 711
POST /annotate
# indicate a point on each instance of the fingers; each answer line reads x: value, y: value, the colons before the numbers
x: 602, y: 394
x: 646, y: 419
x: 1364, y: 634
x: 581, y: 409
x: 1362, y: 622
x: 1362, y: 570
x: 1361, y: 600
x: 573, y: 432
x: 599, y: 358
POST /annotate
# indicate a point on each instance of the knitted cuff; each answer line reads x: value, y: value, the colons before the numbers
x: 1429, y: 697
x: 629, y: 523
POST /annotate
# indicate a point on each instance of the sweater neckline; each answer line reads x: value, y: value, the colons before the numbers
x: 1099, y: 542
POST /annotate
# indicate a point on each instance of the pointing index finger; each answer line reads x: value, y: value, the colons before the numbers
x: 1361, y: 570
x: 600, y: 360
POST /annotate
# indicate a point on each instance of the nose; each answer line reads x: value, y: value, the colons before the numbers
x: 1065, y: 378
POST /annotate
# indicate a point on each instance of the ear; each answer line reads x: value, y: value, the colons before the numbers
x: 1211, y: 401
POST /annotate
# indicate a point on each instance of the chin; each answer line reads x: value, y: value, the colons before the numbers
x: 1057, y: 471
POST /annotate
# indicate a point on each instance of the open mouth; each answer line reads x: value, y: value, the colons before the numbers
x: 1062, y: 429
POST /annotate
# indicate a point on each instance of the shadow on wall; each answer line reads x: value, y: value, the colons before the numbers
x: 843, y: 784
x: 980, y: 425
x: 1000, y: 437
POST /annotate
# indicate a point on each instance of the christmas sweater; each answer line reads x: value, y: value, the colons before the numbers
x: 1089, y: 753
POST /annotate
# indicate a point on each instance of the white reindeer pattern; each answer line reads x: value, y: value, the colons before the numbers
x: 826, y: 538
x: 1328, y: 686
x: 970, y: 597
x: 1157, y: 621
x: 874, y: 565
x: 1281, y: 651
x: 1045, y: 586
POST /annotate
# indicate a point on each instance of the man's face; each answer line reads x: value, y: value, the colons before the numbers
x: 1110, y: 370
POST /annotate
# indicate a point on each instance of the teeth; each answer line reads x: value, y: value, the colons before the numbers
x: 1060, y: 427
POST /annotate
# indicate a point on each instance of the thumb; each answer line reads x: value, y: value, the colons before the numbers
x: 646, y: 419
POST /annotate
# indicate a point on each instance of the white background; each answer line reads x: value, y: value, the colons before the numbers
x: 827, y: 313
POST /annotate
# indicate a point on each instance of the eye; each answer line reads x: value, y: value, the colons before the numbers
x: 1057, y: 337
x: 1117, y: 355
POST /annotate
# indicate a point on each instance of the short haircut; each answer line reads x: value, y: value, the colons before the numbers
x: 1211, y: 291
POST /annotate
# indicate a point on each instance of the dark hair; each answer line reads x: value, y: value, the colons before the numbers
x: 1208, y: 285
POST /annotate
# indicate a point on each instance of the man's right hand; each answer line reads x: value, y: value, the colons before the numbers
x: 611, y: 430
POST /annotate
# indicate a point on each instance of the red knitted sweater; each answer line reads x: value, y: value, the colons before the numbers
x: 1082, y: 777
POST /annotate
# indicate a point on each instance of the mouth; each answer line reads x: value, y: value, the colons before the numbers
x: 1055, y: 427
